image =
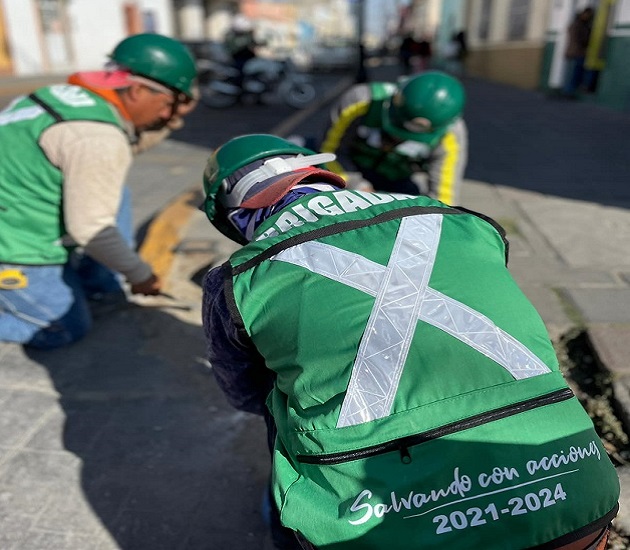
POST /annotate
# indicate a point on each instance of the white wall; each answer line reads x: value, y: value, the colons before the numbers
x: 192, y: 20
x: 93, y: 32
x: 561, y: 14
x: 94, y: 35
x: 23, y: 35
x: 623, y: 12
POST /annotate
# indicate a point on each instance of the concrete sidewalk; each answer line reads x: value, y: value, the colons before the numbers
x: 123, y: 441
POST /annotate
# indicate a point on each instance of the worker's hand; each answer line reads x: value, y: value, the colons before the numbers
x: 183, y: 109
x: 150, y: 287
x: 186, y: 106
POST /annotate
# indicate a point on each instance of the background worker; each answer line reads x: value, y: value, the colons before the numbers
x: 438, y: 416
x: 390, y: 134
x: 240, y: 43
x: 578, y: 37
x: 65, y: 214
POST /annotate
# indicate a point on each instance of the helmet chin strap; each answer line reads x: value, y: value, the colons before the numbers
x: 272, y: 167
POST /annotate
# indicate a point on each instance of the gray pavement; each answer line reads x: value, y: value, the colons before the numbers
x: 123, y: 441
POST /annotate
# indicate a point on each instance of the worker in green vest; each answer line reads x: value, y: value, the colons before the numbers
x: 412, y: 395
x: 66, y: 235
x: 405, y: 137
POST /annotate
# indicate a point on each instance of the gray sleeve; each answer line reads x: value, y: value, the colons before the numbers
x: 447, y: 164
x: 109, y: 248
x: 94, y: 158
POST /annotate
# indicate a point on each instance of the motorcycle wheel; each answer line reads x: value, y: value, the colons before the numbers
x: 298, y: 94
x: 216, y: 99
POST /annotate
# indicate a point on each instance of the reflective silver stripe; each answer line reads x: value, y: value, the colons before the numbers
x: 480, y: 333
x: 392, y: 322
x: 336, y: 264
x: 403, y: 297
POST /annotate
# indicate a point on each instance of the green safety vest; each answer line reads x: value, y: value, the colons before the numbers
x: 418, y: 399
x: 390, y: 163
x: 31, y: 188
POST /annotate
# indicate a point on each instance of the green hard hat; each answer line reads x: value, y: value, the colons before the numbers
x: 232, y: 156
x: 158, y: 58
x: 423, y: 107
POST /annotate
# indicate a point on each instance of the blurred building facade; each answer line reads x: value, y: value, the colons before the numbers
x: 506, y: 40
x: 50, y: 36
x: 607, y: 54
x: 522, y: 42
x: 516, y: 42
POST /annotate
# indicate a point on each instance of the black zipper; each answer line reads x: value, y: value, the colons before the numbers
x: 402, y: 445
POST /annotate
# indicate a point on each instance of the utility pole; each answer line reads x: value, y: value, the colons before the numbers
x: 359, y: 14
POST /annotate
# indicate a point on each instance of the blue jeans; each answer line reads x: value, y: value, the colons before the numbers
x: 574, y: 75
x: 53, y: 309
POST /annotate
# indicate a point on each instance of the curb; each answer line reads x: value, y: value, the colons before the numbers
x: 166, y: 231
x: 608, y: 343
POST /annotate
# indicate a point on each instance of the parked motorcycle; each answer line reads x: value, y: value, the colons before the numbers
x: 263, y: 81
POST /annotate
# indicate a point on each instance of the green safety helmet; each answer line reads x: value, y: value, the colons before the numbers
x: 236, y: 154
x: 423, y: 107
x: 159, y: 58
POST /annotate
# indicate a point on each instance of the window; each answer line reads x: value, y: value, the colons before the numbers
x: 484, y: 19
x: 519, y: 13
x: 57, y: 51
x: 51, y: 15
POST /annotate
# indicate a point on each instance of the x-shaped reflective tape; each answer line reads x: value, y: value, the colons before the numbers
x: 402, y: 298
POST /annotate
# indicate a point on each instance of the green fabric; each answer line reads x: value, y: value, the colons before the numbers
x: 386, y: 160
x: 489, y: 474
x: 380, y: 93
x: 31, y: 188
x: 444, y: 381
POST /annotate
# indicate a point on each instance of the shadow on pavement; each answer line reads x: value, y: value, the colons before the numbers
x: 165, y: 463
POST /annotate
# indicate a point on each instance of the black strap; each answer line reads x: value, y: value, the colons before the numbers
x: 46, y: 107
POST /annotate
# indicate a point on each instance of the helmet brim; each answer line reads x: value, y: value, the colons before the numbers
x: 212, y: 181
x: 393, y: 126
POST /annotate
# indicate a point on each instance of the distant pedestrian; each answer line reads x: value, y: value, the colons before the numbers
x: 406, y: 51
x: 455, y: 53
x: 578, y: 37
x: 422, y: 54
x: 241, y: 44
x: 412, y: 396
x: 66, y: 235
